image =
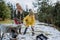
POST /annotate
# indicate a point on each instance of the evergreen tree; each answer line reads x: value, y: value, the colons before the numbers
x: 11, y: 8
x: 4, y: 10
x: 57, y: 14
x: 49, y: 13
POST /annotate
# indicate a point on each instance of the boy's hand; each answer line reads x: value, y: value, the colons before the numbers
x: 24, y: 23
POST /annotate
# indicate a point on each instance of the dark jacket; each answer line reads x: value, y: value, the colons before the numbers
x: 19, y: 16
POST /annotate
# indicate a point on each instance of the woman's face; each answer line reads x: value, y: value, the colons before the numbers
x: 18, y: 6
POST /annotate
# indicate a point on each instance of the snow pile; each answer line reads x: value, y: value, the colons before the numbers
x: 50, y: 32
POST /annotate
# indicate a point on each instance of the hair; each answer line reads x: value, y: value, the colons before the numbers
x: 31, y: 12
x: 19, y: 6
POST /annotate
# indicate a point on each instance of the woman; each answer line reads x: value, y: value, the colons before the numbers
x: 29, y: 20
x: 18, y: 16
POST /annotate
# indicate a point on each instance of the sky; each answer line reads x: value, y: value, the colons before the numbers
x: 23, y: 3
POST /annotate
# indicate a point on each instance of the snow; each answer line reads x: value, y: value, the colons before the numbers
x: 50, y: 32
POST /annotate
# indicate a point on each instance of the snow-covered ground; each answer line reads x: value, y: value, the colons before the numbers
x: 50, y: 32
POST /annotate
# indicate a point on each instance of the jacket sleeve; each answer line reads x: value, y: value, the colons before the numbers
x: 24, y: 20
x: 34, y: 19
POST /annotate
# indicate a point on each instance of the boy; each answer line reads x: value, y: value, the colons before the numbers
x: 29, y: 20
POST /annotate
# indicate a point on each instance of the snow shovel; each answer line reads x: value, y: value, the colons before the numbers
x: 41, y: 37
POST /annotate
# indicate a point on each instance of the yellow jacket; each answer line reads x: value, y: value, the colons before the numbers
x: 29, y: 20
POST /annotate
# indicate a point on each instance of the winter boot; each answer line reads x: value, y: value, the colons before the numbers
x: 32, y: 31
x: 20, y: 30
